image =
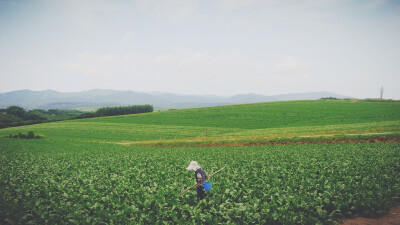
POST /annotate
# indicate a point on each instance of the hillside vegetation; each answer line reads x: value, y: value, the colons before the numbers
x: 271, y: 115
x: 274, y: 118
x: 17, y: 116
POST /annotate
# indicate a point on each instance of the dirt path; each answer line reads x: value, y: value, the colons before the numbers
x: 392, y: 218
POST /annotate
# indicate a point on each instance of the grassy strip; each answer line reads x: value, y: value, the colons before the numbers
x: 271, y: 140
x: 371, y: 127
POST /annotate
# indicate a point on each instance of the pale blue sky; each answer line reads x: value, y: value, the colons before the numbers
x: 221, y: 47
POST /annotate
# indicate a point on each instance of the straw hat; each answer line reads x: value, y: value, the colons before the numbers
x: 193, y: 166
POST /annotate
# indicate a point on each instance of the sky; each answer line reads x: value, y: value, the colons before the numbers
x: 202, y: 47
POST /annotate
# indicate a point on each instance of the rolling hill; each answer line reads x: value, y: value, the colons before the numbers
x: 98, y: 98
x: 262, y: 119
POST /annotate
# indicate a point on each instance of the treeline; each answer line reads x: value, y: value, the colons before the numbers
x: 329, y: 98
x: 17, y: 116
x: 115, y: 111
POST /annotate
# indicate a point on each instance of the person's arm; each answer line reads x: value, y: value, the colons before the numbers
x: 204, y: 176
x: 200, y: 182
x: 199, y: 179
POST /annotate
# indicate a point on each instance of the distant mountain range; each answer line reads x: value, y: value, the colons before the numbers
x: 50, y: 99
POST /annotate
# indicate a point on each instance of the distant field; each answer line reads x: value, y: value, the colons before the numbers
x: 263, y: 119
x: 271, y: 115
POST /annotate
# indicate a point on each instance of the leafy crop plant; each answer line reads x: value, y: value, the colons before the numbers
x: 61, y: 182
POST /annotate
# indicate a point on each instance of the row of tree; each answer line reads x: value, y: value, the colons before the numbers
x: 115, y: 111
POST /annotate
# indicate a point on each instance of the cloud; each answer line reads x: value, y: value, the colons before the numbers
x: 93, y: 65
x: 85, y: 12
x: 375, y: 3
x: 183, y: 62
x: 8, y: 3
x: 174, y: 10
x: 203, y: 65
x: 231, y: 5
x: 185, y: 71
x: 292, y: 65
x: 129, y: 36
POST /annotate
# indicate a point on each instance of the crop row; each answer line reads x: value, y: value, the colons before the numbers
x: 64, y: 182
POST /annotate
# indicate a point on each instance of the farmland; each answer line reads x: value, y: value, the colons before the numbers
x: 79, y: 174
x: 65, y: 182
x: 264, y: 119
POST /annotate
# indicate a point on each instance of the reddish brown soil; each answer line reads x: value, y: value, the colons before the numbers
x: 392, y: 218
x: 277, y: 142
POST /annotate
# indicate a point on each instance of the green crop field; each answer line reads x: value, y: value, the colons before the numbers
x: 62, y: 182
x: 270, y: 115
x: 79, y: 173
x: 296, y: 117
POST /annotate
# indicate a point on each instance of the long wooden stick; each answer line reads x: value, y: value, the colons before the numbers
x: 216, y: 172
x: 207, y: 178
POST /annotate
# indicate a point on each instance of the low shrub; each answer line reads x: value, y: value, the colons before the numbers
x: 30, y: 135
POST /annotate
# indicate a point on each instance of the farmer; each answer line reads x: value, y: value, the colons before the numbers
x: 200, y: 176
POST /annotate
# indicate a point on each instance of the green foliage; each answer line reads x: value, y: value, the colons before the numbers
x: 35, y: 115
x: 85, y: 115
x: 115, y: 111
x: 16, y: 111
x: 17, y: 116
x: 62, y: 182
x: 20, y: 135
x: 267, y: 120
x: 329, y: 98
x: 10, y: 120
x: 380, y: 100
x: 30, y: 135
x: 69, y: 178
x: 270, y: 115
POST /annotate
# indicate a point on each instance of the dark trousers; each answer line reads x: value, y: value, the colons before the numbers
x: 200, y: 193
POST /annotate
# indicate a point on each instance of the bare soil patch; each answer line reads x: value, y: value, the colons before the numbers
x: 286, y: 141
x: 392, y: 218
